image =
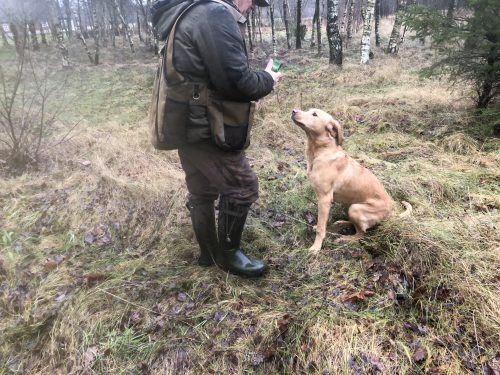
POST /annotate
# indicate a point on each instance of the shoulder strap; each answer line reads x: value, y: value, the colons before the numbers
x: 172, y: 75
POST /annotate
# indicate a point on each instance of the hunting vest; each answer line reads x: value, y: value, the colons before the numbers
x: 180, y: 106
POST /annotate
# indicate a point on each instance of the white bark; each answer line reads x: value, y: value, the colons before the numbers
x: 367, y: 31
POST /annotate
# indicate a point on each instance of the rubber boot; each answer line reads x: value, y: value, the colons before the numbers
x: 203, y: 220
x: 231, y: 222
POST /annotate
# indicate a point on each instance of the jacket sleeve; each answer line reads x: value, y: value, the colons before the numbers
x: 221, y: 47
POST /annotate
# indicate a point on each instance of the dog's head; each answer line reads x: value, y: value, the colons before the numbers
x: 318, y: 124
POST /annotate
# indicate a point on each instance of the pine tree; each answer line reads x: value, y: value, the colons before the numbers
x: 470, y: 45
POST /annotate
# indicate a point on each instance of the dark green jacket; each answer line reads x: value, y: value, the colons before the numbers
x: 208, y: 47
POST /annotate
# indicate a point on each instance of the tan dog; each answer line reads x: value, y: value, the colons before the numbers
x: 336, y: 177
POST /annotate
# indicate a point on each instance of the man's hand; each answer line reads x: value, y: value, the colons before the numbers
x: 276, y: 75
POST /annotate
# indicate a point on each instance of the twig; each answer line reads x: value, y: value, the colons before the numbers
x: 126, y: 301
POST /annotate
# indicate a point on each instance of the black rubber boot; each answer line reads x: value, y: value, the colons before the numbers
x: 203, y: 220
x: 232, y: 220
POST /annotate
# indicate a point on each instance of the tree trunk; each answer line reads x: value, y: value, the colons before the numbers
x: 69, y: 26
x: 396, y: 29
x: 259, y: 22
x: 124, y: 24
x: 286, y: 12
x: 350, y: 16
x: 34, y: 38
x: 333, y: 33
x: 367, y: 14
x: 139, y: 27
x: 254, y: 27
x: 298, y: 33
x: 273, y: 29
x: 318, y: 26
x: 344, y: 19
x: 15, y: 35
x: 313, y: 33
x: 249, y: 30
x: 4, y: 37
x: 96, y: 33
x: 62, y: 47
x: 42, y: 34
x: 377, y: 23
x: 452, y: 5
x: 85, y: 46
x: 315, y: 23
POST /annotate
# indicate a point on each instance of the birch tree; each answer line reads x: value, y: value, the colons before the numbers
x: 333, y: 33
x: 367, y: 14
x: 286, y: 13
x: 393, y: 45
x: 273, y: 28
x: 124, y: 24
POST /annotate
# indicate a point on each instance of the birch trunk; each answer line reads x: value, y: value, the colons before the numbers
x: 286, y: 12
x: 393, y: 46
x: 125, y: 25
x: 273, y: 29
x: 333, y: 33
x: 367, y: 30
x: 344, y: 19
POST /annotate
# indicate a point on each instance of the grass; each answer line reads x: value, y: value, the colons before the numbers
x: 98, y: 266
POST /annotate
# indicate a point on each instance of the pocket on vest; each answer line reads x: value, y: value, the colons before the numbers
x: 198, y: 125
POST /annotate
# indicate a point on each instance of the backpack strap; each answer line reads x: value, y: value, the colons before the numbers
x: 172, y: 75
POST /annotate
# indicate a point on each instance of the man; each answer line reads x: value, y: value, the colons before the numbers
x: 208, y: 46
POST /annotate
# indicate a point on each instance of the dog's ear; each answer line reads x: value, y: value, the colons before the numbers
x: 335, y: 131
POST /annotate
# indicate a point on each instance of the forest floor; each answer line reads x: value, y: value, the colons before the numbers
x: 98, y: 269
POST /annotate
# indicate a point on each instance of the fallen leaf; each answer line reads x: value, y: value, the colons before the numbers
x: 88, y: 238
x: 284, y: 323
x: 358, y: 296
x: 257, y: 359
x: 50, y: 264
x: 420, y: 354
x: 94, y: 276
x: 136, y: 318
x: 61, y: 296
x: 89, y: 356
x: 218, y: 316
x: 181, y: 297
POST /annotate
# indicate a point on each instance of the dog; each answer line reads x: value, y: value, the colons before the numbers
x: 336, y: 177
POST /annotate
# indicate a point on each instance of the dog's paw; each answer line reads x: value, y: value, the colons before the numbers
x: 315, y: 248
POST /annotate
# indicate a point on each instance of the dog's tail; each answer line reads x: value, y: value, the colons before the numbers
x: 408, y: 210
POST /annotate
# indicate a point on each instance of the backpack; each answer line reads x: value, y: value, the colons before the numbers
x: 177, y: 103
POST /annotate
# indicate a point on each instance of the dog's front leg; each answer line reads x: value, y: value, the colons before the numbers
x: 324, y: 204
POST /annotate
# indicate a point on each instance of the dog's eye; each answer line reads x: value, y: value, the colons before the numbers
x: 315, y: 114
